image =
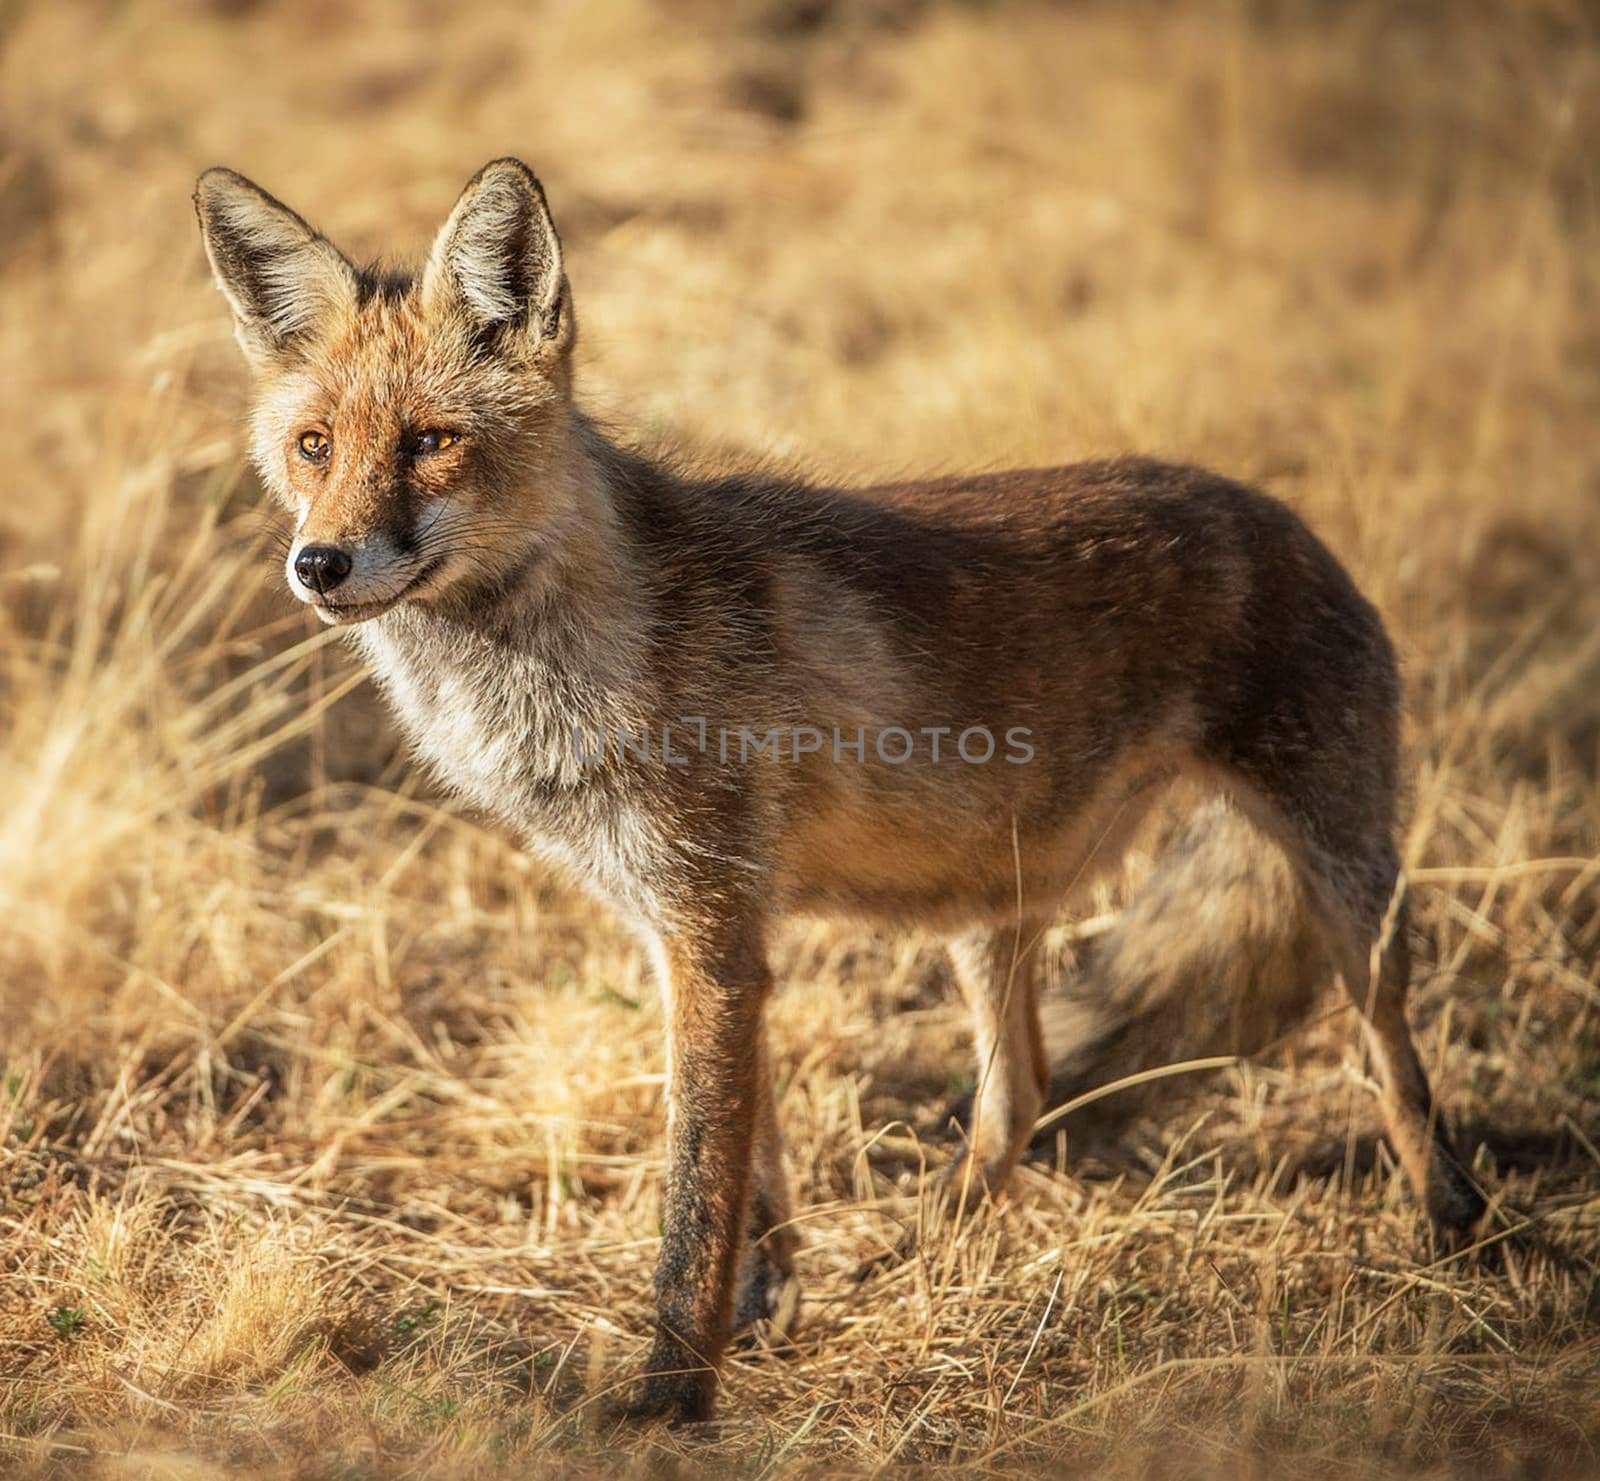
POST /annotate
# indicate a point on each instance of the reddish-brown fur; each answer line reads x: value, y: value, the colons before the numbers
x: 516, y: 579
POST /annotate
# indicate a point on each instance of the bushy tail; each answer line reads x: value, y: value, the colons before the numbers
x: 1215, y: 954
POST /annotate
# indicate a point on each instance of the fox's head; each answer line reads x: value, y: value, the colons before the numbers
x: 411, y: 425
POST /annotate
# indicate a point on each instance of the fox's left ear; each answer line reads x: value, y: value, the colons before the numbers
x: 283, y: 281
x: 498, y: 261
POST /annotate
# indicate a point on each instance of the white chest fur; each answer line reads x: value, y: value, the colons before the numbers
x: 503, y: 727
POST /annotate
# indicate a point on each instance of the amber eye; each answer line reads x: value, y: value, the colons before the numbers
x: 315, y: 447
x: 433, y: 441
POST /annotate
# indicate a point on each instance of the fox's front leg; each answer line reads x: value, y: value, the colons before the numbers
x: 767, y: 1299
x: 715, y: 990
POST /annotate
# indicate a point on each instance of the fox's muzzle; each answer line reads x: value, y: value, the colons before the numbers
x: 350, y: 580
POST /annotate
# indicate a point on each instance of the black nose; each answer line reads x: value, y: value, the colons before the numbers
x: 322, y: 567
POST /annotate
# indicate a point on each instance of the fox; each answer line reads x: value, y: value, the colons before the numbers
x: 718, y: 700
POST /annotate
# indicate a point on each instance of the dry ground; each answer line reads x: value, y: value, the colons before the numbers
x: 329, y: 1127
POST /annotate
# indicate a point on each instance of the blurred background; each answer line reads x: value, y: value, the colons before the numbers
x: 331, y: 1124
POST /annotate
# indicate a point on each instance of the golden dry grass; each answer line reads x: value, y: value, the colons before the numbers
x: 330, y: 1124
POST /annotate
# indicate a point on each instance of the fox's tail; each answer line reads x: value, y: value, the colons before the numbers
x: 1216, y: 954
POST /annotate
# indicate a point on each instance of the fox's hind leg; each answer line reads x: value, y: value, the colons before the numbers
x: 997, y: 971
x: 1303, y: 714
x: 1348, y: 866
x: 1415, y: 1124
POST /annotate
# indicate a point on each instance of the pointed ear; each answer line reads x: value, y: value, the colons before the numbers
x: 498, y: 260
x: 283, y: 280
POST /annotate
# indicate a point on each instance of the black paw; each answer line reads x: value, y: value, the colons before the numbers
x: 766, y: 1312
x: 672, y: 1399
x: 1455, y: 1205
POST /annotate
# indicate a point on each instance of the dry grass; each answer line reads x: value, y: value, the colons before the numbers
x: 330, y: 1125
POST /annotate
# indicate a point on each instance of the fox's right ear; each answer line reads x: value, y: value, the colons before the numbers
x: 282, y: 280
